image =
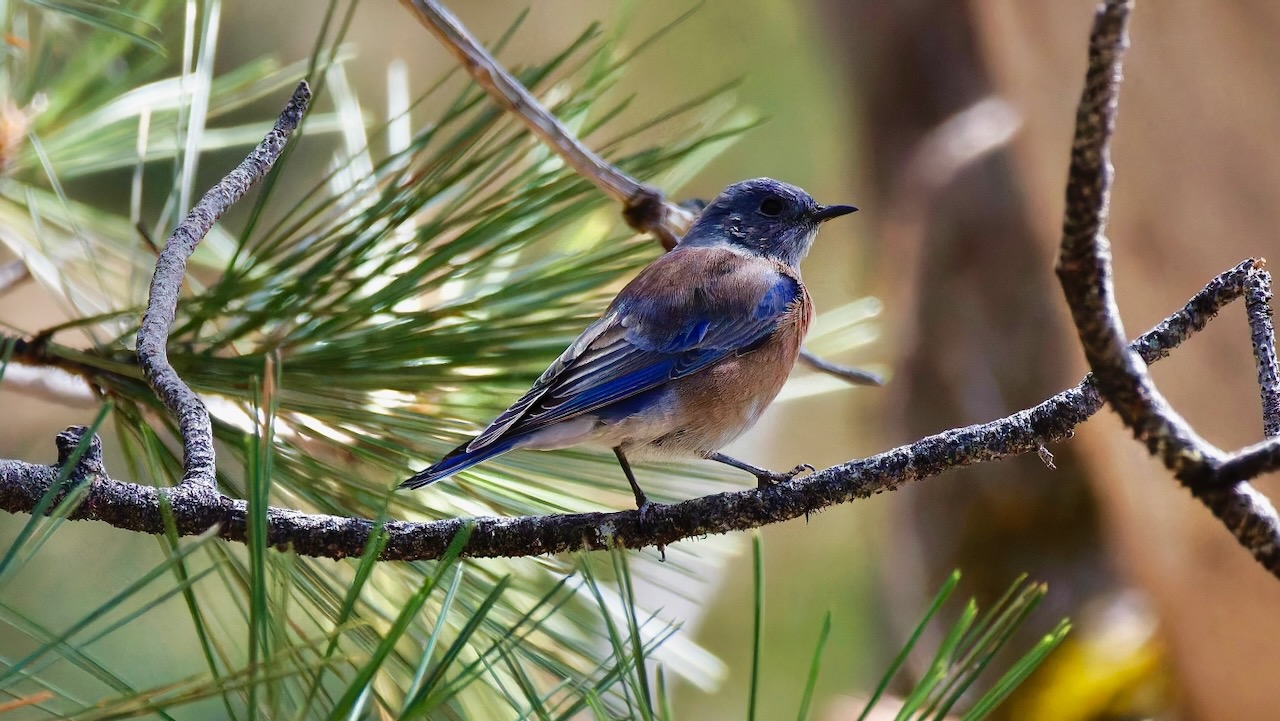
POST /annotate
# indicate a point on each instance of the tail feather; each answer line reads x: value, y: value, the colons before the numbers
x: 459, y: 459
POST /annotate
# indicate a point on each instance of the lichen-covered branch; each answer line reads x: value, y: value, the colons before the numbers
x: 171, y: 267
x: 1085, y: 271
x: 197, y: 508
x: 1258, y: 307
x: 1120, y: 377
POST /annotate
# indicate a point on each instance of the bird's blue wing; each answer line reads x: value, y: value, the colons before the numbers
x: 683, y: 313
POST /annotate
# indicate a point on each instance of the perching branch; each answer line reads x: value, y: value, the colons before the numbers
x: 1215, y: 477
x: 1218, y: 479
x: 135, y: 507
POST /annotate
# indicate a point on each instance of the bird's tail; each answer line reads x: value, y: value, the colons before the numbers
x: 459, y: 459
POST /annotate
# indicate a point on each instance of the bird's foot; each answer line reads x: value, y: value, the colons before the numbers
x: 643, y: 504
x: 769, y: 478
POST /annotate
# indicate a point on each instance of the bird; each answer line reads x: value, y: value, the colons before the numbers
x: 688, y: 354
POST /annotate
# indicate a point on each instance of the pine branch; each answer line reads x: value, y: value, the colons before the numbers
x: 135, y: 507
x: 1218, y: 479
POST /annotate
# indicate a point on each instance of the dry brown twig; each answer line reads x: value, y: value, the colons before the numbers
x: 643, y: 206
x: 1215, y: 477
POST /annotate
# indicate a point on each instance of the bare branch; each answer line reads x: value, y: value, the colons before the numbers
x: 166, y: 284
x: 1084, y: 269
x: 643, y: 206
x: 196, y: 509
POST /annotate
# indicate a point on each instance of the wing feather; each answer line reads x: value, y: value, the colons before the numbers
x: 686, y: 311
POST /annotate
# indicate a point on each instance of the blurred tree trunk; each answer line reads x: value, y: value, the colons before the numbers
x: 1197, y: 173
x: 974, y: 311
x: 1197, y: 176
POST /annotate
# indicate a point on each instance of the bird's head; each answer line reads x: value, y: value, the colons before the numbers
x: 764, y: 217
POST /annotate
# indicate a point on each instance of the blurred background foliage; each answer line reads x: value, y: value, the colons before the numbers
x: 862, y: 102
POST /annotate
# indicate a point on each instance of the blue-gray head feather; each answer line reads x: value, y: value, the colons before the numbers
x: 765, y: 217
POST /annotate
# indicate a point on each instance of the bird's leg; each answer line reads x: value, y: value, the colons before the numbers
x: 642, y: 501
x: 764, y: 476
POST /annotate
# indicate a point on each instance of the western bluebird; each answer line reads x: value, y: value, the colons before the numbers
x: 689, y: 353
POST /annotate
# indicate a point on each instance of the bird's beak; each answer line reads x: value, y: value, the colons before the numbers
x: 827, y: 212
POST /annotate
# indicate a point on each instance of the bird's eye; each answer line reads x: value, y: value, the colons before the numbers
x: 771, y: 206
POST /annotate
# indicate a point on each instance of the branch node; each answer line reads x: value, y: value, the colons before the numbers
x: 643, y: 207
x: 646, y: 212
x: 1084, y: 269
x: 90, y: 464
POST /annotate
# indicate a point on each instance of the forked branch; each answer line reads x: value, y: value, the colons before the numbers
x: 1217, y: 478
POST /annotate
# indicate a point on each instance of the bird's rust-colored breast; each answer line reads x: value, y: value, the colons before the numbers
x: 721, y: 402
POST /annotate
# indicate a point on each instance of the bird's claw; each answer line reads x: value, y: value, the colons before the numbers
x: 642, y: 507
x: 769, y: 478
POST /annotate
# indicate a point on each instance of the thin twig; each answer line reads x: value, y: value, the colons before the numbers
x: 856, y: 376
x: 166, y: 284
x: 643, y: 206
x: 1084, y: 269
x: 136, y: 508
